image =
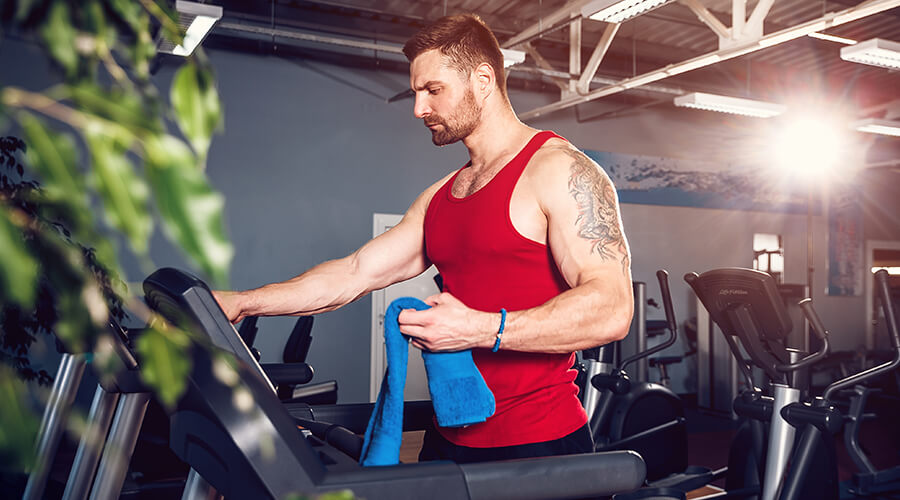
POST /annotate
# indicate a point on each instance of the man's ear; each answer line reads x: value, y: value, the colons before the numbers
x: 485, y: 80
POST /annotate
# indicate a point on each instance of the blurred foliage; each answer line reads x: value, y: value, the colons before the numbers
x: 38, y: 249
x: 334, y: 495
x: 105, y: 153
x: 18, y: 427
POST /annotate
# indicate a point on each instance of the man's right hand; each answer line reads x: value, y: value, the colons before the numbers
x: 231, y: 303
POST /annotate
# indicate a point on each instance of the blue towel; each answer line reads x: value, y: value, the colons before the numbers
x: 458, y: 392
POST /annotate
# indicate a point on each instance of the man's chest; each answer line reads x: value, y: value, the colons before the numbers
x: 514, y: 202
x: 468, y: 182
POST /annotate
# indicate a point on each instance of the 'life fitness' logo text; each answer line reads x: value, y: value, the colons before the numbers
x: 733, y: 291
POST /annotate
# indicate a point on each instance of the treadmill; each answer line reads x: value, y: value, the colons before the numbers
x: 238, y: 438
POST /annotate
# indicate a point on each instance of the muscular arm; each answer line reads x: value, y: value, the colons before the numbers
x: 584, y: 232
x: 589, y: 246
x: 396, y: 255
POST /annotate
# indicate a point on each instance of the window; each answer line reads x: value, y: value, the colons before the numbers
x: 768, y: 255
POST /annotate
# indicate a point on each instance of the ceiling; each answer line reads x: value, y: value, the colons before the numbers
x: 804, y: 68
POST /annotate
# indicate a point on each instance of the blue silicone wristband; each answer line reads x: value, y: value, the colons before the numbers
x: 500, y: 331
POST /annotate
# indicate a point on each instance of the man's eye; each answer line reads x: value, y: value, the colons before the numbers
x: 433, y: 91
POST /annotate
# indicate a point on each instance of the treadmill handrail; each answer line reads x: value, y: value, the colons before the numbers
x: 211, y: 425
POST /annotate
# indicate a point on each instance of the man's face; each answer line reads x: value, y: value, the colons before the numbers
x: 444, y: 99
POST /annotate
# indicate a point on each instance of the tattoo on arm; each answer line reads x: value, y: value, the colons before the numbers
x: 598, y: 214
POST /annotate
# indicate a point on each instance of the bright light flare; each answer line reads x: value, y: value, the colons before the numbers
x: 808, y: 148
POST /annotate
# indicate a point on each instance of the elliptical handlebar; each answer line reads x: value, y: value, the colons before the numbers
x: 820, y: 332
x: 817, y: 327
x: 884, y: 293
x: 663, y: 277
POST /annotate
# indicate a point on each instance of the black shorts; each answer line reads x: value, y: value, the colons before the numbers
x: 435, y: 447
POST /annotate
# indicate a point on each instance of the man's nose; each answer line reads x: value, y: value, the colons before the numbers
x: 421, y: 108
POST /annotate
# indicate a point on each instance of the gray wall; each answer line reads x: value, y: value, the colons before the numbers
x: 311, y: 150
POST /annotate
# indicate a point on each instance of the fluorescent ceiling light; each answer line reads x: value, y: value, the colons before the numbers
x: 878, y: 126
x: 618, y: 11
x: 734, y: 105
x: 196, y: 19
x: 832, y: 38
x: 876, y: 52
x: 512, y: 57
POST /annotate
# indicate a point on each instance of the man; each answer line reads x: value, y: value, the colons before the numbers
x: 530, y: 226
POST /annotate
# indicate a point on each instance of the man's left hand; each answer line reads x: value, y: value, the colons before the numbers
x: 448, y: 326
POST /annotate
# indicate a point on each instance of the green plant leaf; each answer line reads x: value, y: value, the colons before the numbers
x: 18, y: 269
x: 125, y: 195
x: 95, y: 18
x: 122, y: 108
x: 191, y: 211
x: 53, y: 156
x: 332, y: 495
x: 129, y: 11
x: 18, y: 424
x: 167, y: 17
x: 337, y: 495
x: 164, y: 362
x: 74, y: 326
x: 142, y: 50
x: 197, y: 107
x: 63, y: 196
x: 59, y: 35
x: 24, y: 9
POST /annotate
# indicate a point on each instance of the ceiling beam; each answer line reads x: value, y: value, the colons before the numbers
x: 574, y: 54
x: 829, y: 20
x: 544, y: 63
x: 707, y: 17
x: 593, y: 64
x: 562, y: 15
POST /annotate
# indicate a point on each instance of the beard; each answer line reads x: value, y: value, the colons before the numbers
x: 459, y: 125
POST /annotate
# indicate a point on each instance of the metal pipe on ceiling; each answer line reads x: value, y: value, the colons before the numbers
x: 397, y: 49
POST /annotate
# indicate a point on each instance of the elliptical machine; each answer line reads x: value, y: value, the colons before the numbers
x: 642, y: 416
x: 819, y: 420
x: 746, y: 306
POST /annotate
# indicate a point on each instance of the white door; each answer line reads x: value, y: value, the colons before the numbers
x: 421, y: 286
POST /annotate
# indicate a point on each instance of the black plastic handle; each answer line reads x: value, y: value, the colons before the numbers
x: 663, y: 277
x: 814, y: 321
x: 617, y: 382
x: 884, y: 292
x: 335, y: 435
x: 670, y: 317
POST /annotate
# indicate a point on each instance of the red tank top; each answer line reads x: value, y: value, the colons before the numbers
x: 488, y: 265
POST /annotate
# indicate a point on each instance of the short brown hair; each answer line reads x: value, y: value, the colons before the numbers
x: 465, y: 40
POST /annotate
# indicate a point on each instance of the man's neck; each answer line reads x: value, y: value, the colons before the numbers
x: 499, y: 136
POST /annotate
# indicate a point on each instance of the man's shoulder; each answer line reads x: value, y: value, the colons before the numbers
x: 439, y: 184
x: 558, y: 157
x: 421, y: 203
